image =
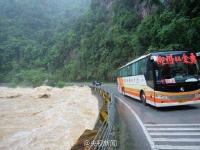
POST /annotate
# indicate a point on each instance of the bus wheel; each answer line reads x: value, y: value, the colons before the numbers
x: 143, y: 97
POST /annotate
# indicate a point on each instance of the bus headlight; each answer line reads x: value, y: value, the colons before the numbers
x: 197, y: 95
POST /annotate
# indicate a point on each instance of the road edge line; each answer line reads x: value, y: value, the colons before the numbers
x: 140, y: 122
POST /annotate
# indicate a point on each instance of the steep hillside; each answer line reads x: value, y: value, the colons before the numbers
x: 116, y: 31
x: 28, y: 31
x: 41, y: 42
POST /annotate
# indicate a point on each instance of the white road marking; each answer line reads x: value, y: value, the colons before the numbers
x: 149, y: 139
x: 173, y: 129
x: 177, y: 135
x: 176, y: 139
x: 149, y: 131
x: 177, y: 147
x: 160, y: 125
x: 174, y: 133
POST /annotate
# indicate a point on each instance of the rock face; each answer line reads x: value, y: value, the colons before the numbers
x: 145, y: 8
x: 45, y: 117
x: 104, y: 3
x: 142, y: 7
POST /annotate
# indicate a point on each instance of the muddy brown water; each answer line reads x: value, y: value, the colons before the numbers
x: 45, y: 117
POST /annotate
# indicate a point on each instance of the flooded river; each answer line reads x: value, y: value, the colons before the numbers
x: 45, y: 118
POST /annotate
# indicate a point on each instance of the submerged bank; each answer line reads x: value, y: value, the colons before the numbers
x: 45, y: 117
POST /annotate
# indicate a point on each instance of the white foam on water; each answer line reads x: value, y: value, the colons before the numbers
x: 56, y: 122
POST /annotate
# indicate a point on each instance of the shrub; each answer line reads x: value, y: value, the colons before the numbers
x: 60, y: 84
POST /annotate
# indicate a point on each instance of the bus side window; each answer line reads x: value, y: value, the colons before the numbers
x: 142, y: 67
x: 124, y: 72
x: 136, y: 68
x: 129, y: 70
x: 139, y: 67
x: 133, y: 69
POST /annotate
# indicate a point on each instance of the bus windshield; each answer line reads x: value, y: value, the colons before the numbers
x: 174, y: 69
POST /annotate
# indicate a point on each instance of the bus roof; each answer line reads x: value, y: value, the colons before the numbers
x: 154, y: 54
x: 141, y: 57
x: 168, y: 52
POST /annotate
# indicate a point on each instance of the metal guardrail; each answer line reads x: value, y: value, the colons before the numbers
x: 104, y: 133
x: 102, y: 140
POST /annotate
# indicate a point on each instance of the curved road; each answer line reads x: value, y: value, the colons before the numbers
x: 163, y: 128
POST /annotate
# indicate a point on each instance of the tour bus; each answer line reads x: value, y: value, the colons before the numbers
x: 166, y: 78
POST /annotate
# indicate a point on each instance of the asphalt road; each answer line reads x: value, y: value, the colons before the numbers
x: 162, y: 128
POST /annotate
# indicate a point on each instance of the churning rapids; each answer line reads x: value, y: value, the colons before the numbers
x: 45, y: 117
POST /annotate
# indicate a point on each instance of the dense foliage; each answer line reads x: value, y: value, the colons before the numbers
x: 29, y: 31
x: 38, y: 42
x: 109, y: 36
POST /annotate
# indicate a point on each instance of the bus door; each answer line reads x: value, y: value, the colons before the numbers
x: 150, y: 80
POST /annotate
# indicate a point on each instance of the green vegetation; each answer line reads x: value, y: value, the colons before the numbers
x: 58, y: 42
x: 31, y: 39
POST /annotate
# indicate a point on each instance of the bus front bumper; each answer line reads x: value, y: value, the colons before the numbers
x: 164, y: 99
x: 176, y: 103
